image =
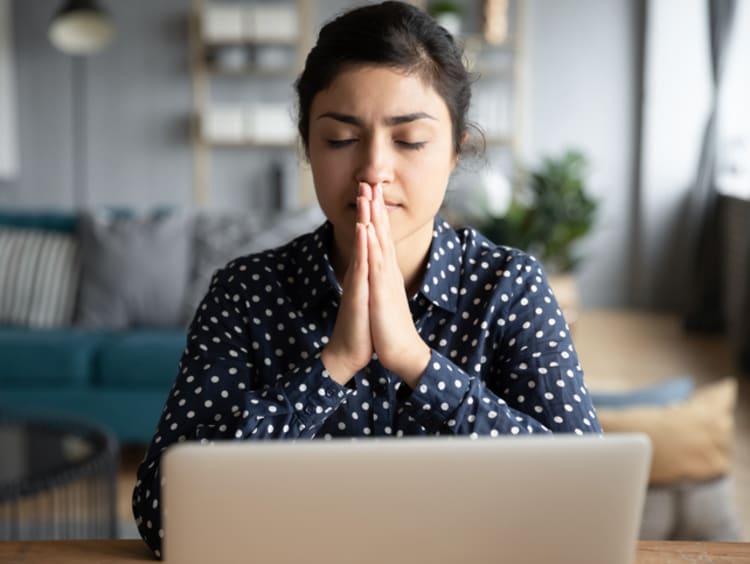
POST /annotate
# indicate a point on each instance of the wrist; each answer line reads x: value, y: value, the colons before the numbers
x: 336, y: 366
x: 413, y: 363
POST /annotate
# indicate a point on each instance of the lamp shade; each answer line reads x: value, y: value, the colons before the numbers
x: 81, y: 27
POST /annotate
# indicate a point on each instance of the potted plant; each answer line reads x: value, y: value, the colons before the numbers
x: 448, y: 14
x: 547, y: 217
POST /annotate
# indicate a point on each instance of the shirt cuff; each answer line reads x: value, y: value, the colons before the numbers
x: 313, y: 394
x: 440, y: 391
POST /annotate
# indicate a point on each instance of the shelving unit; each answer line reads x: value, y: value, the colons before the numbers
x: 245, y: 44
x: 217, y: 62
x: 497, y: 102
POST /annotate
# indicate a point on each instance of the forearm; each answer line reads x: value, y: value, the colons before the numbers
x: 449, y: 400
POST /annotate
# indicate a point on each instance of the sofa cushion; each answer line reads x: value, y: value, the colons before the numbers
x: 51, y: 220
x: 39, y: 275
x: 143, y: 359
x: 42, y: 357
x: 134, y: 270
x: 692, y: 440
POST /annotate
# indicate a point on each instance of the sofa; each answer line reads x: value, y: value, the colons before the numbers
x: 95, y: 304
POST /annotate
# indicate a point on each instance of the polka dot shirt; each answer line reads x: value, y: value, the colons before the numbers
x: 502, y: 359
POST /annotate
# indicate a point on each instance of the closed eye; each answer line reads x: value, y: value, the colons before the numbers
x: 412, y: 146
x: 336, y: 143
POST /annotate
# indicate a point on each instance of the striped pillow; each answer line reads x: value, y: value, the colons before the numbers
x: 39, y: 274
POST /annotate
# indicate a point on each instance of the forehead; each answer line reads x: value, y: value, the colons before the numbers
x: 377, y: 90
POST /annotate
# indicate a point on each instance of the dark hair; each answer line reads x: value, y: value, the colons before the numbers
x: 391, y: 34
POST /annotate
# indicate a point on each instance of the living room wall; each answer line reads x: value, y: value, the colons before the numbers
x: 107, y: 129
x: 583, y: 88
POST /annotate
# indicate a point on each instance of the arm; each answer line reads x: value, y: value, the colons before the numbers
x: 533, y: 382
x: 219, y: 395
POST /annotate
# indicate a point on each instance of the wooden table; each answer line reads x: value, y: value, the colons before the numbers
x: 130, y: 551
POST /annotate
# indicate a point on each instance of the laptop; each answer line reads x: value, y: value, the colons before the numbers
x: 564, y: 499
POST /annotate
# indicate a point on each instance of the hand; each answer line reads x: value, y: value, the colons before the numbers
x: 350, y: 346
x: 395, y: 339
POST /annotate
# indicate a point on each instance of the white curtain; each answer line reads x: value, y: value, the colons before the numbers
x: 733, y: 150
x: 677, y: 89
x: 8, y: 117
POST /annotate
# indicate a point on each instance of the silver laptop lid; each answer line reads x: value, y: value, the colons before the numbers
x: 563, y: 499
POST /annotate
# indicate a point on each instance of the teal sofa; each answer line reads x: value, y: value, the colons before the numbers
x: 100, y: 337
x: 118, y: 379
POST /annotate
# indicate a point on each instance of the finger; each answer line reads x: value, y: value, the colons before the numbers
x: 374, y: 254
x: 379, y: 216
x: 365, y: 190
x: 358, y: 258
x: 359, y: 265
x: 363, y: 210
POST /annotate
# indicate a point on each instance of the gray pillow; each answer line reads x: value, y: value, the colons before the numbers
x: 692, y: 511
x: 220, y: 237
x: 134, y: 269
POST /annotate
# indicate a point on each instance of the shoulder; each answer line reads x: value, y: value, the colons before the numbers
x: 481, y: 254
x: 269, y: 266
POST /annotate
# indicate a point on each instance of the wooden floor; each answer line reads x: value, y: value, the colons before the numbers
x: 617, y: 349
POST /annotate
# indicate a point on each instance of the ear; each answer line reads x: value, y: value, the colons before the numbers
x: 464, y: 138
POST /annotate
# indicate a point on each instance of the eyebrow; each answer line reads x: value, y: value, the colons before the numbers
x: 393, y: 120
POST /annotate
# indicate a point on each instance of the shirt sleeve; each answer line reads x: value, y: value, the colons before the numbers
x: 217, y: 395
x: 533, y: 382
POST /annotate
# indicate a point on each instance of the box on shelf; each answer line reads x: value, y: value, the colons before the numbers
x: 271, y: 22
x: 223, y: 22
x: 269, y: 123
x: 224, y: 125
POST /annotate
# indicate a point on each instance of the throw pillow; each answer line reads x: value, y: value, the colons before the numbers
x: 39, y: 274
x: 672, y: 390
x: 134, y: 269
x: 691, y: 440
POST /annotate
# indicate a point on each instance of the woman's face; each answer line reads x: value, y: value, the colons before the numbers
x: 378, y: 125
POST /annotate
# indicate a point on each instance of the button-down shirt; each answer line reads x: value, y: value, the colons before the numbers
x: 502, y: 360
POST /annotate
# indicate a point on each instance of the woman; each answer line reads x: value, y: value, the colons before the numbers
x: 385, y: 320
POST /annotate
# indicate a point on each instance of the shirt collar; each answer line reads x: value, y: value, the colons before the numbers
x: 440, y: 284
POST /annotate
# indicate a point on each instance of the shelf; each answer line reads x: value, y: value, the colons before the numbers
x: 469, y: 39
x: 498, y: 141
x: 251, y: 72
x: 233, y: 46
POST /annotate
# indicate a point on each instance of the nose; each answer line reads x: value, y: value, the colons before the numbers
x: 376, y: 161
